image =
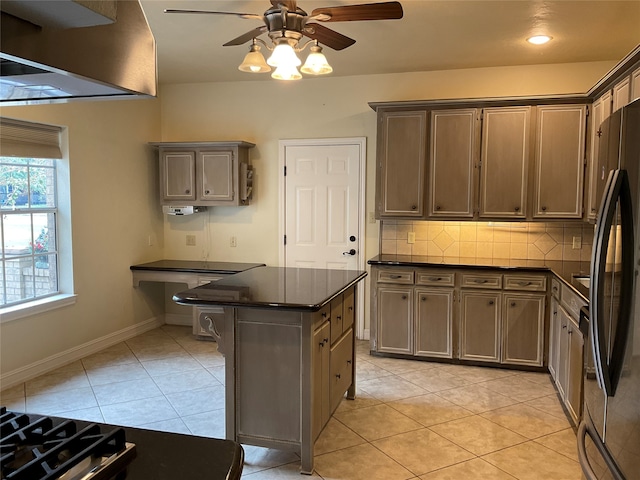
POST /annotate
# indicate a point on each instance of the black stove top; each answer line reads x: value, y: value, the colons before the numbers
x: 37, y: 447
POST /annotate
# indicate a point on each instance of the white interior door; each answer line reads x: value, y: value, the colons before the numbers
x: 322, y: 205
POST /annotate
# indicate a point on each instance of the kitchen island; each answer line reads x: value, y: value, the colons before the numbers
x: 289, y: 345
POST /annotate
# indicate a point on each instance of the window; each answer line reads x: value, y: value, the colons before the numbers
x: 30, y: 260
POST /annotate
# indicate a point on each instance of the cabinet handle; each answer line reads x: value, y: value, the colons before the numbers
x: 524, y: 284
x: 435, y: 279
x: 324, y: 314
x: 338, y: 317
x: 348, y: 362
x: 479, y: 280
x: 564, y: 326
x: 351, y: 309
x: 395, y: 277
x: 414, y: 207
x: 337, y: 375
x: 324, y: 342
x: 491, y: 302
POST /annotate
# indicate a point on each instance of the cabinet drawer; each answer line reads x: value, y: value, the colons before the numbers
x: 532, y: 283
x: 571, y: 301
x: 336, y: 318
x: 555, y: 288
x: 444, y: 279
x: 341, y: 369
x: 482, y: 280
x: 348, y: 309
x: 321, y: 315
x: 395, y: 276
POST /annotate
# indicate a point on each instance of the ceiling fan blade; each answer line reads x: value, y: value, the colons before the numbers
x: 369, y: 11
x: 236, y: 14
x: 289, y: 4
x: 244, y: 38
x: 328, y: 37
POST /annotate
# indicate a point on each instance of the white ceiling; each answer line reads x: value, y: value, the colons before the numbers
x: 433, y: 35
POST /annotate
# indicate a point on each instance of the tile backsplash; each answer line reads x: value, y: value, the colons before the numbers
x: 489, y: 240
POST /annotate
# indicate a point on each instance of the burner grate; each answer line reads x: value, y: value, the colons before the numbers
x: 34, y: 447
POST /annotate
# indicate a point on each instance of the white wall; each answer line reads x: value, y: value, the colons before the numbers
x: 113, y: 177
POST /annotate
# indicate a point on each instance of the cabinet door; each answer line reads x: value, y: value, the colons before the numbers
x: 177, y: 176
x: 395, y: 319
x: 575, y: 372
x: 600, y: 111
x: 433, y: 322
x: 348, y: 309
x: 559, y: 157
x: 554, y: 337
x: 452, y: 161
x: 480, y: 326
x: 635, y: 84
x: 321, y: 350
x: 336, y: 318
x: 340, y: 369
x: 621, y: 93
x: 401, y: 164
x: 216, y: 176
x: 504, y: 162
x: 523, y: 329
x: 563, y: 352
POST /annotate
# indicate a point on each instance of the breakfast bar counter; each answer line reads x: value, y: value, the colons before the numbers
x: 289, y: 344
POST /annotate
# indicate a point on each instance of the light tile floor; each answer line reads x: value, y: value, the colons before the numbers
x: 411, y: 419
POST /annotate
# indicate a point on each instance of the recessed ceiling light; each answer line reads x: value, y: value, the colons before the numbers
x: 539, y: 39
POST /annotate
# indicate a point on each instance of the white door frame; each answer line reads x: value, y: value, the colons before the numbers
x: 361, y: 142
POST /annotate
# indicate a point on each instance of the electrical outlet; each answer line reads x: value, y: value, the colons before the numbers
x: 151, y: 239
x: 233, y: 241
x: 191, y: 240
x: 577, y: 243
x: 411, y: 237
x: 372, y: 217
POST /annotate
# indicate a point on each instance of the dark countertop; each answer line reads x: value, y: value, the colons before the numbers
x: 194, y: 266
x: 564, y: 270
x: 303, y: 289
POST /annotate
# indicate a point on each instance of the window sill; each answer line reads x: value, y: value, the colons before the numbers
x: 42, y: 305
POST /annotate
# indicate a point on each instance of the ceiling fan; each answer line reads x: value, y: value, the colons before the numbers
x: 286, y: 24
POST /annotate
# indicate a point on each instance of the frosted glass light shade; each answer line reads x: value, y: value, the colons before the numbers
x: 286, y: 73
x: 316, y: 63
x: 284, y: 56
x: 254, y: 61
x: 539, y: 39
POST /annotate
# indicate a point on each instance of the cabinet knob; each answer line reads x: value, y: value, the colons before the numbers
x: 348, y: 362
x: 338, y: 317
x: 544, y: 209
x: 491, y: 302
x: 337, y: 375
x: 187, y: 192
x: 207, y: 192
x: 517, y: 209
x: 414, y: 207
x: 424, y: 299
x: 324, y: 314
x: 404, y: 297
x: 513, y: 304
x: 350, y: 308
x: 438, y: 207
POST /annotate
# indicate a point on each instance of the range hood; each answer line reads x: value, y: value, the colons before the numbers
x: 47, y: 56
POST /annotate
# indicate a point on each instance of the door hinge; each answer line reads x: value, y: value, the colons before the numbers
x: 285, y: 239
x: 285, y: 170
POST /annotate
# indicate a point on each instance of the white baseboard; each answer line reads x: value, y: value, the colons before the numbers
x: 22, y: 374
x: 177, y: 319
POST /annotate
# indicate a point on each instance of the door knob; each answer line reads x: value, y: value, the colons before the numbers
x: 350, y: 252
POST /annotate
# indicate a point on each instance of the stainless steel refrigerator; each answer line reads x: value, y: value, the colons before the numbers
x: 609, y: 434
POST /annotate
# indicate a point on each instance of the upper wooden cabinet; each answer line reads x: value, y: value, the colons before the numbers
x: 621, y: 93
x: 453, y: 154
x: 505, y: 162
x: 559, y: 161
x: 401, y: 164
x: 600, y: 111
x: 205, y: 173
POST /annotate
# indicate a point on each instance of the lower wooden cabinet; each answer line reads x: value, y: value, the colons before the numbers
x: 340, y: 369
x: 321, y: 350
x: 480, y: 326
x: 433, y: 322
x: 523, y: 329
x: 474, y: 315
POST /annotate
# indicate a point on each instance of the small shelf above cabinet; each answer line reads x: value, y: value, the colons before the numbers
x: 205, y: 173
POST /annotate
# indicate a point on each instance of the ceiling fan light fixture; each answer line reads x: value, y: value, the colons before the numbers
x: 253, y: 61
x: 285, y: 72
x: 539, y: 39
x: 284, y: 56
x: 316, y: 63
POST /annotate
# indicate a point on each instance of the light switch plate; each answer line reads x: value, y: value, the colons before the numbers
x: 411, y: 237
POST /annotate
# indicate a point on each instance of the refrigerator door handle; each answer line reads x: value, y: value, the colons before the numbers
x: 608, y: 371
x: 582, y: 452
